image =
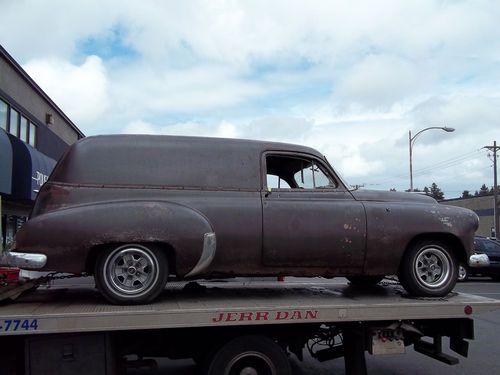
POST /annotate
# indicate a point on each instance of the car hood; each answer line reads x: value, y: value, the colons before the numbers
x: 391, y: 196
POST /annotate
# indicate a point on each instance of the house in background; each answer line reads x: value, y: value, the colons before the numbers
x: 34, y: 133
x: 483, y: 206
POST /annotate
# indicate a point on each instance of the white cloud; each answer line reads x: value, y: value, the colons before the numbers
x: 381, y: 81
x: 82, y: 90
x: 348, y: 78
x: 361, y: 167
x: 221, y: 130
x: 184, y: 90
x: 33, y: 29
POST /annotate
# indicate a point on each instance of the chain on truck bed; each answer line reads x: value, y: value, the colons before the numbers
x: 11, y: 291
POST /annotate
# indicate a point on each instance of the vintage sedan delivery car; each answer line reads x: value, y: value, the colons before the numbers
x: 136, y: 210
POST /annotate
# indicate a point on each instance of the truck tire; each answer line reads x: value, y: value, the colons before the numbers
x: 428, y: 269
x: 364, y: 280
x: 131, y: 273
x: 251, y: 354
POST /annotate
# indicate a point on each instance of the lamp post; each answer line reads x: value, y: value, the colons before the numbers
x: 411, y: 141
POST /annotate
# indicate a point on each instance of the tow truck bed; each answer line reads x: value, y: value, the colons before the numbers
x: 211, y: 304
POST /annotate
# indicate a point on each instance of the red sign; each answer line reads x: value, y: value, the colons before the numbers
x: 265, y: 316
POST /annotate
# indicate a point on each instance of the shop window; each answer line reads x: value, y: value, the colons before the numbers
x: 3, y: 115
x: 23, y: 129
x: 13, y: 122
x: 32, y: 135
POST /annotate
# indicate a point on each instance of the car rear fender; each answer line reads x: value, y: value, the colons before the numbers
x: 68, y: 235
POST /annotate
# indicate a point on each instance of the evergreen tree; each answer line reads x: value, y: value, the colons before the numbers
x: 484, y: 190
x: 436, y: 192
x: 466, y: 194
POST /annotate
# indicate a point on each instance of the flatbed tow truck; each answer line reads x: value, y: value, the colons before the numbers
x: 230, y: 327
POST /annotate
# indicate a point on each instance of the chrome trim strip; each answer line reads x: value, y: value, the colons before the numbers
x: 479, y: 260
x: 207, y: 254
x: 23, y: 260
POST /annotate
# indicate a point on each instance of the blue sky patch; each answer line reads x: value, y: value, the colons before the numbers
x: 110, y: 45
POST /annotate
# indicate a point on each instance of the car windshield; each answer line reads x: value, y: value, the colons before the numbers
x: 486, y: 245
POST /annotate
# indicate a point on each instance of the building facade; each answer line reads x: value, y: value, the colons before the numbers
x: 34, y: 133
x: 483, y: 207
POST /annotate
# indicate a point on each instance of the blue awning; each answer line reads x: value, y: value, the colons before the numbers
x: 30, y: 169
x: 5, y: 163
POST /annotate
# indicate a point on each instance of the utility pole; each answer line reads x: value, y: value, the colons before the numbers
x: 496, y: 221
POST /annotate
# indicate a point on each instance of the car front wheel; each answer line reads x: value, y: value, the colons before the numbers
x: 428, y: 269
x: 131, y: 273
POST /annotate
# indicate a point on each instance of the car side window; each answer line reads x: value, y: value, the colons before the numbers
x: 304, y: 178
x: 274, y: 182
x: 290, y: 172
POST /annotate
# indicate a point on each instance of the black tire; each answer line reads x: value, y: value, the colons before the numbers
x: 131, y: 273
x: 364, y: 280
x: 463, y: 272
x: 256, y: 354
x: 428, y: 269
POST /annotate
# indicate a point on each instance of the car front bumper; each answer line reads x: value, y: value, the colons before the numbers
x: 23, y: 260
x: 479, y: 260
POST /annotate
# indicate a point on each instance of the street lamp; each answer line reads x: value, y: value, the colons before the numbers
x: 411, y: 141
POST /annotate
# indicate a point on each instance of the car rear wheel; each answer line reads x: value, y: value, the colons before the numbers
x: 364, y: 280
x: 428, y: 269
x: 249, y: 355
x: 131, y: 273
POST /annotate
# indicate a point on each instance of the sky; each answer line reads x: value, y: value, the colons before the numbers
x: 349, y: 78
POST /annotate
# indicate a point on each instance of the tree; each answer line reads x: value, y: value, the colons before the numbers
x: 466, y: 194
x: 436, y: 192
x: 484, y: 190
x: 415, y: 190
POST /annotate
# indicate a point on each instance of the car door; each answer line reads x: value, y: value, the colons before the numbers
x: 309, y: 218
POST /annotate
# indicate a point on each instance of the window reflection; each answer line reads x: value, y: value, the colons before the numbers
x: 23, y: 129
x: 32, y: 135
x: 13, y: 123
x: 3, y: 115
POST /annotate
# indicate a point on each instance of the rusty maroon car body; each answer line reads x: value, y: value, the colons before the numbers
x: 222, y: 208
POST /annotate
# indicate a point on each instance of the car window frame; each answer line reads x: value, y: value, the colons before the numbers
x: 322, y: 164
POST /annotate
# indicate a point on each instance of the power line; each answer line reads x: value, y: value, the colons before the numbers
x: 449, y: 162
x: 456, y: 160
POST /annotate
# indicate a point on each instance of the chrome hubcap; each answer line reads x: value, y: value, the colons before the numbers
x: 462, y: 272
x: 250, y: 363
x: 131, y: 270
x: 433, y: 267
